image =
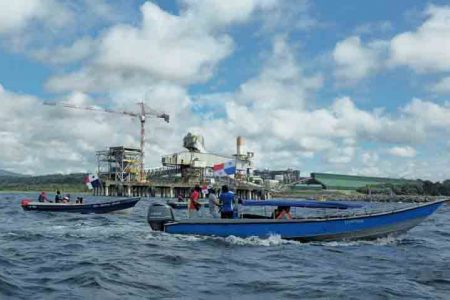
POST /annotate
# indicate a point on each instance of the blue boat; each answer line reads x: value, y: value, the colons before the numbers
x: 361, y: 225
x: 92, y: 208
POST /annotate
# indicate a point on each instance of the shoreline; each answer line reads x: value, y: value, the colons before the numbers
x: 38, y: 191
x: 360, y: 197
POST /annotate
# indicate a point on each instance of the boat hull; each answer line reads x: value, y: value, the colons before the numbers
x: 368, y: 226
x: 92, y: 208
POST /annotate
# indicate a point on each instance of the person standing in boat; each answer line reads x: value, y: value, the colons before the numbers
x: 213, y: 203
x: 194, y: 205
x: 180, y: 198
x: 226, y: 200
x: 58, y: 197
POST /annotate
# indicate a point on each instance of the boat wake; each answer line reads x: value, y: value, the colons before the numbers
x: 273, y: 240
x: 385, y: 241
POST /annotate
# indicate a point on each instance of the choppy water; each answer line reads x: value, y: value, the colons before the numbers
x: 69, y: 256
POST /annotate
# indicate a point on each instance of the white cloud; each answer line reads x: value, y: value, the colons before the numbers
x: 428, y: 48
x: 425, y: 50
x: 428, y: 114
x: 442, y: 86
x: 16, y: 15
x: 40, y: 28
x: 182, y: 49
x: 271, y: 111
x: 289, y: 15
x: 355, y: 61
x: 222, y: 13
x: 79, y: 50
x: 405, y: 151
x: 281, y: 83
x: 340, y: 155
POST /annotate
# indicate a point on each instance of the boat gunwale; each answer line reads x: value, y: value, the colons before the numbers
x: 81, y: 205
x: 301, y: 220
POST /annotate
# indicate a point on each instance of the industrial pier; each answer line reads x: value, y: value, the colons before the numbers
x: 120, y: 172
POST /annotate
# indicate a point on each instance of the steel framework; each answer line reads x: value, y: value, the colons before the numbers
x: 120, y: 164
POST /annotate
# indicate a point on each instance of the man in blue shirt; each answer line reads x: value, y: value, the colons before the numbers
x: 58, y: 197
x: 226, y: 199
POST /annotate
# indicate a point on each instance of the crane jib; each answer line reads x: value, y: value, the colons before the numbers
x: 142, y: 116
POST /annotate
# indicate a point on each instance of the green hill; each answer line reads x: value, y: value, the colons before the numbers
x: 51, y: 183
x: 8, y: 173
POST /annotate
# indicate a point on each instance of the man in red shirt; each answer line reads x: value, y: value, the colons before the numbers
x: 194, y: 205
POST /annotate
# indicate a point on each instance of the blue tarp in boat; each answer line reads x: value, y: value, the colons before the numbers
x: 300, y: 203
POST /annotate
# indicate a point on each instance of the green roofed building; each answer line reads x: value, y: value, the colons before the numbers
x: 349, y: 182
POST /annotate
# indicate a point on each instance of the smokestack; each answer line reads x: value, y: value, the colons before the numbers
x: 239, y: 145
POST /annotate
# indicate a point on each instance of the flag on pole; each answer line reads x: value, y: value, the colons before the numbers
x: 225, y: 169
x: 92, y: 181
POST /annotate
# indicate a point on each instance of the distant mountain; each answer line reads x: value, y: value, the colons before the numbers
x: 8, y: 173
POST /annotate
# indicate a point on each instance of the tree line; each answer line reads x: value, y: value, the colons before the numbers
x: 68, y: 183
x: 419, y: 187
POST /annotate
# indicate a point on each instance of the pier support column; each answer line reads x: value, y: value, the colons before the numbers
x: 128, y: 190
x: 106, y: 190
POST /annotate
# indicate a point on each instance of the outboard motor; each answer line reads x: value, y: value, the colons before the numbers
x: 158, y: 215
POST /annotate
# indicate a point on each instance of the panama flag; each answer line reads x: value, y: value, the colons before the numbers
x: 92, y: 181
x: 225, y: 169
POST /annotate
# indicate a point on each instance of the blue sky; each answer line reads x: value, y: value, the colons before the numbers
x: 356, y: 87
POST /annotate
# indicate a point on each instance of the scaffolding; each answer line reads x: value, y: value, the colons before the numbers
x: 119, y: 164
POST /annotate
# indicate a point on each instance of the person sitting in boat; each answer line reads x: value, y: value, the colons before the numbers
x: 194, y: 205
x: 43, y: 197
x: 283, y: 213
x: 79, y: 200
x: 180, y: 198
x: 66, y: 199
x: 226, y: 200
x: 213, y: 203
x: 58, y: 197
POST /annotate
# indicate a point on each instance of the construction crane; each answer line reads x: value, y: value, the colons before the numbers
x: 145, y: 111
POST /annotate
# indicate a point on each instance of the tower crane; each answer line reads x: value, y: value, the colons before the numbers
x: 145, y: 111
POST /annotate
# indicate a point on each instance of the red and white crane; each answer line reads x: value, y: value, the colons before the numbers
x: 145, y: 112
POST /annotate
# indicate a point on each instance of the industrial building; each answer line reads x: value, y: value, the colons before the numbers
x: 283, y: 176
x: 349, y: 182
x: 196, y: 164
x: 119, y: 170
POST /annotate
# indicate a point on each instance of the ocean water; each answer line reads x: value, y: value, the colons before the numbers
x: 71, y: 256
